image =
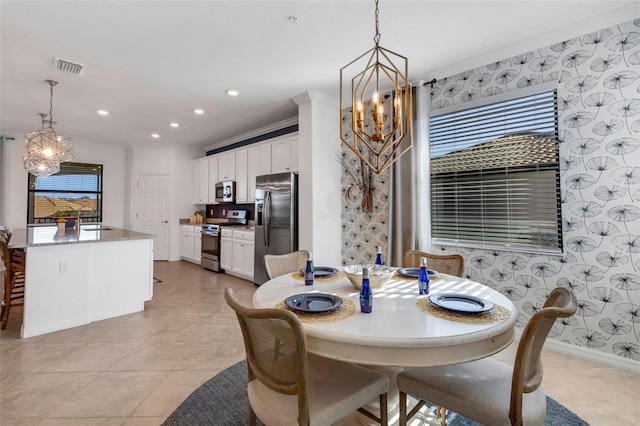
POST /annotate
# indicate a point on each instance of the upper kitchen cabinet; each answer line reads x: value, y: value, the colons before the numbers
x: 259, y: 163
x: 227, y: 166
x: 213, y: 178
x: 201, y: 186
x: 241, y: 176
x: 284, y: 155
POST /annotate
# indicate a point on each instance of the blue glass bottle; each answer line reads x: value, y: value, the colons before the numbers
x: 423, y: 279
x: 366, y: 296
x: 308, y: 270
x: 379, y: 256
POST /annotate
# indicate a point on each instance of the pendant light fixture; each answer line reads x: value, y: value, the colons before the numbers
x: 380, y: 105
x: 47, y: 147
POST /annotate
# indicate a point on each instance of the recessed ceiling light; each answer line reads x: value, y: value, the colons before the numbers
x: 198, y: 111
x: 155, y: 135
x: 232, y: 92
x: 102, y: 112
x: 174, y: 125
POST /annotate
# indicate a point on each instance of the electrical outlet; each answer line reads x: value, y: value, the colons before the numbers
x: 65, y: 266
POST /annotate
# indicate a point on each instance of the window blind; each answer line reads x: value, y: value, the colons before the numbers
x: 495, y: 180
x: 76, y: 188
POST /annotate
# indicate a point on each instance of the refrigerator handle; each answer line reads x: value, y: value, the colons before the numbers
x: 266, y: 214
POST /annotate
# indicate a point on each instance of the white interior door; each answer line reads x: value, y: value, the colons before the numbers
x: 152, y: 211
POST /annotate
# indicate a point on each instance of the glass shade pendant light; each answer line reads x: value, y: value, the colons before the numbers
x: 47, y: 147
x: 380, y: 105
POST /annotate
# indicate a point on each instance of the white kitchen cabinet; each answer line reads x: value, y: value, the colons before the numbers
x: 201, y: 187
x: 212, y: 163
x: 190, y: 242
x: 259, y: 163
x: 284, y: 155
x: 197, y: 243
x: 243, y: 254
x: 226, y: 249
x: 236, y: 252
x: 242, y: 189
x: 226, y: 166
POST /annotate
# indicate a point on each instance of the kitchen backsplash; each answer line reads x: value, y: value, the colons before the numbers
x: 220, y: 210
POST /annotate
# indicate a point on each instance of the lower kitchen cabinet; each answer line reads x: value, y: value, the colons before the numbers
x: 190, y: 242
x: 226, y: 249
x: 241, y: 253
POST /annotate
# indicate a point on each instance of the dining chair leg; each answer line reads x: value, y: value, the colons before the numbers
x: 384, y: 414
x: 441, y: 415
x: 403, y: 408
x: 252, y: 417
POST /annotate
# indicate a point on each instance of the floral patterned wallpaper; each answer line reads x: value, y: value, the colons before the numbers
x: 598, y: 77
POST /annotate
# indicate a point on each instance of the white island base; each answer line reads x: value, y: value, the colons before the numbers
x: 69, y: 285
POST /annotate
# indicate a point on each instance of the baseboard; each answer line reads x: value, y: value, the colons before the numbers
x: 590, y: 355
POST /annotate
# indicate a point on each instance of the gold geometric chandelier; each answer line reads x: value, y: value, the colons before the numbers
x: 47, y: 147
x: 381, y: 106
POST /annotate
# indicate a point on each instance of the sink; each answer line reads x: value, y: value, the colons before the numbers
x: 95, y: 228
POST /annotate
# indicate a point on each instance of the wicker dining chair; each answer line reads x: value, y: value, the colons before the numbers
x: 487, y: 390
x: 292, y: 387
x: 280, y: 264
x: 452, y: 264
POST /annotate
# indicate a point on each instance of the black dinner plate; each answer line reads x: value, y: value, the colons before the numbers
x: 460, y: 302
x: 415, y: 272
x: 313, y: 302
x: 322, y: 271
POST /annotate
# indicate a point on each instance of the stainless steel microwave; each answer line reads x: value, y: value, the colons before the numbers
x: 226, y: 192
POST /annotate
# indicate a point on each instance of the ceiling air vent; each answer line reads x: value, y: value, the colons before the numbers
x: 68, y: 66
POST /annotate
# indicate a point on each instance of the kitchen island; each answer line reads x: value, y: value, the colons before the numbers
x: 87, y: 274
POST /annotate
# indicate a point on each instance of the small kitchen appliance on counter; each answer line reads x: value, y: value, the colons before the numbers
x: 210, y: 253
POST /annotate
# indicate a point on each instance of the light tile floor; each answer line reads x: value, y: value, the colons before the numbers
x: 136, y: 369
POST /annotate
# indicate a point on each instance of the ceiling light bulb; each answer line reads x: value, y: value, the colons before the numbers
x: 174, y: 125
x: 41, y: 166
x: 103, y: 112
x: 155, y: 135
x: 198, y: 111
x: 232, y: 92
x: 47, y: 152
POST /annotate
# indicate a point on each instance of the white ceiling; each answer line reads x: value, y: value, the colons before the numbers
x: 153, y: 62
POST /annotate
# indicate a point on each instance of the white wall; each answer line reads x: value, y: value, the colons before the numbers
x: 319, y: 177
x: 175, y: 161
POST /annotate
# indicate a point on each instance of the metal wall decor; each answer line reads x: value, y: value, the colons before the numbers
x: 47, y: 147
x: 380, y: 105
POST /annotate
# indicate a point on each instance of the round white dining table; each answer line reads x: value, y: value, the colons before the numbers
x: 397, y: 332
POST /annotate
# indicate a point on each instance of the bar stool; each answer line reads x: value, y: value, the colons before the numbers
x: 13, y: 276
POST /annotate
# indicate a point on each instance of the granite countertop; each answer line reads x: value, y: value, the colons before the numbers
x: 48, y: 235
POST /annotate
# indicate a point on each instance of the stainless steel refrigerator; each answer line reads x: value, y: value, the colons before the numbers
x: 276, y: 215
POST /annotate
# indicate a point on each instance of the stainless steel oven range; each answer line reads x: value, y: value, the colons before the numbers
x: 210, y: 253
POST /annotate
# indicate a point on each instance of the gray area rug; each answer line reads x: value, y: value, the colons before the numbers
x: 222, y: 401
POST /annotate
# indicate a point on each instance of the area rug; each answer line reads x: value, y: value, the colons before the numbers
x: 222, y: 401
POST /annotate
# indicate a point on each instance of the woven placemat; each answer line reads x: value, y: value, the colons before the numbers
x: 497, y: 314
x: 347, y: 309
x: 439, y: 277
x: 300, y: 276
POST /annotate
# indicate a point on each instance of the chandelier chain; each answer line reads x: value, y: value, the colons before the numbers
x: 51, y: 84
x: 376, y: 38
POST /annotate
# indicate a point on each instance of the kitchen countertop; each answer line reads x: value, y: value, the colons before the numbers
x: 48, y: 236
